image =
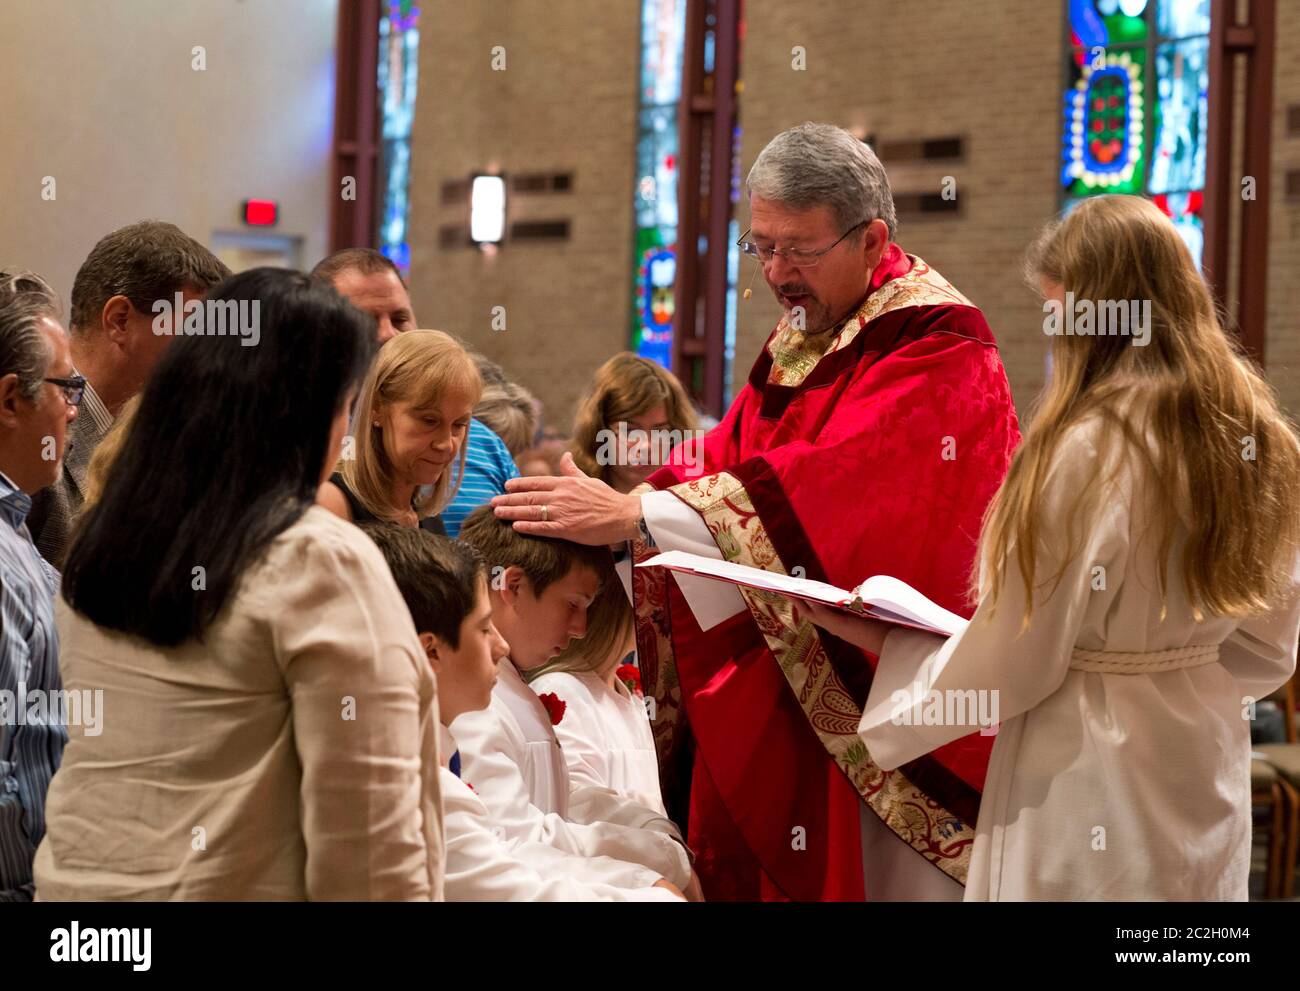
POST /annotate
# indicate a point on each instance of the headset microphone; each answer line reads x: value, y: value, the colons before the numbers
x: 748, y: 291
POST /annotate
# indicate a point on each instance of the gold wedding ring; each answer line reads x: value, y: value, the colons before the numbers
x: 544, y: 514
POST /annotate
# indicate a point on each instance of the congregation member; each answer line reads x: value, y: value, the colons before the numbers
x: 540, y: 594
x: 509, y: 411
x: 445, y: 586
x: 270, y: 726
x: 370, y: 281
x: 124, y: 316
x: 634, y: 414
x: 501, y: 430
x: 877, y: 409
x: 409, y: 434
x: 39, y: 393
x: 1137, y: 589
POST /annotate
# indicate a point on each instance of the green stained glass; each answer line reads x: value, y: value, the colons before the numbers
x: 1136, y: 106
x: 1105, y: 132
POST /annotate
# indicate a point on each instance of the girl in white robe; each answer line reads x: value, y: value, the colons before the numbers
x: 605, y: 729
x: 1121, y: 769
x: 605, y: 734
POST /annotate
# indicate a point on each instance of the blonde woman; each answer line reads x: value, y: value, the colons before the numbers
x: 605, y: 732
x: 409, y: 426
x: 634, y: 414
x: 1136, y: 594
x: 105, y: 453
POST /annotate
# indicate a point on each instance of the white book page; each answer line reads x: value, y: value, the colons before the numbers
x: 743, y: 574
x: 896, y: 601
x: 881, y: 597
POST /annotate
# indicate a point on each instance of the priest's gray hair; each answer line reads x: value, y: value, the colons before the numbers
x: 816, y: 165
x: 25, y: 298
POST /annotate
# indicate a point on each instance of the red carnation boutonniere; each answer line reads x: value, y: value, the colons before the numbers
x: 555, y: 706
x: 630, y: 675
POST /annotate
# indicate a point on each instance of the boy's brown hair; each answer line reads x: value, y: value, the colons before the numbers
x: 543, y: 559
x: 438, y: 577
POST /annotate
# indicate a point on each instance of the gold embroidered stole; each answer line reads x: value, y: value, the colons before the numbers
x: 795, y: 354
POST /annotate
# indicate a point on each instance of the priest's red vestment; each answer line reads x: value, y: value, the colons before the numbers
x: 871, y: 449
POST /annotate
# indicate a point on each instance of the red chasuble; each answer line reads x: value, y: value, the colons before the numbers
x: 874, y: 450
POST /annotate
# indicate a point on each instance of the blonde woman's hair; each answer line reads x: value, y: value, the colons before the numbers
x: 626, y: 386
x: 509, y: 412
x: 1200, y: 406
x: 101, y: 461
x: 419, y: 367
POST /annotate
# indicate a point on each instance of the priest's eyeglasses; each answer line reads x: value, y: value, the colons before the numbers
x: 797, y: 257
x: 73, y: 389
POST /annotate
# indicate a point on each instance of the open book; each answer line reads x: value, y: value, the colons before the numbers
x: 880, y: 597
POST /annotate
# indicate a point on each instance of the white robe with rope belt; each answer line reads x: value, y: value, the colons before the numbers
x: 1102, y: 785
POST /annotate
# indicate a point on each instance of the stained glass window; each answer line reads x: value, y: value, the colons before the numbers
x: 399, y: 41
x: 1136, y: 105
x: 663, y: 36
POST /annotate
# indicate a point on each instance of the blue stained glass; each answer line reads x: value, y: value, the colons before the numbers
x: 1183, y: 18
x: 1182, y: 116
x: 656, y: 193
x: 398, y: 77
x: 1167, y: 101
x: 1108, y: 23
x: 1087, y: 24
x: 1184, y: 210
x: 733, y: 270
x: 663, y: 37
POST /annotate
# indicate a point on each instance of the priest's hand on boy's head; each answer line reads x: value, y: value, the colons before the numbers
x: 572, y: 505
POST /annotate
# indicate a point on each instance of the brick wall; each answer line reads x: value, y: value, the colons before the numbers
x: 989, y: 73
x: 566, y: 102
x: 1282, y: 354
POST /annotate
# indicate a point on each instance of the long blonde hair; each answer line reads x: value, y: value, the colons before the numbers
x: 1221, y: 461
x: 626, y: 386
x: 420, y: 367
x: 101, y: 459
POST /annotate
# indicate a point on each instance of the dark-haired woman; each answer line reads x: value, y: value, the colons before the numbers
x: 268, y: 722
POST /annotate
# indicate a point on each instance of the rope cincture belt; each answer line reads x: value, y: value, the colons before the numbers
x: 1143, y: 662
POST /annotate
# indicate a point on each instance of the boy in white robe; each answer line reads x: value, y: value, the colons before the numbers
x: 445, y: 588
x: 541, y: 590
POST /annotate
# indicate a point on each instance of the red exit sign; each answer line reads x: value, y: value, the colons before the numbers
x: 261, y: 213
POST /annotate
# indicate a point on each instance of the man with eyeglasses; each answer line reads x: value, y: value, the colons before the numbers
x: 874, y: 429
x: 38, y: 399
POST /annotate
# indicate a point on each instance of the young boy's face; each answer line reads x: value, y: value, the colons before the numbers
x: 541, y: 626
x: 468, y: 672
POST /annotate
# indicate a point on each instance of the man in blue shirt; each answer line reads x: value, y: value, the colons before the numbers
x: 39, y: 393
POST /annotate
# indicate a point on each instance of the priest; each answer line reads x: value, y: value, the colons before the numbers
x: 874, y: 428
